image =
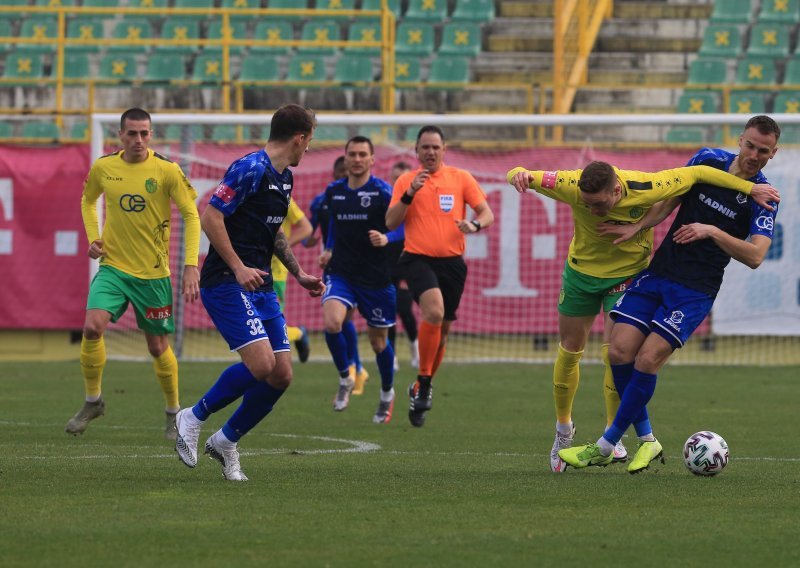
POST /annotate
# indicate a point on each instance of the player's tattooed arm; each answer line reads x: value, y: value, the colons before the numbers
x: 284, y: 253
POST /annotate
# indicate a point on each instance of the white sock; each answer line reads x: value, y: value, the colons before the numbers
x: 606, y: 447
x: 344, y: 380
x: 387, y: 396
x: 648, y: 438
x: 221, y: 439
x: 93, y: 398
x: 564, y: 428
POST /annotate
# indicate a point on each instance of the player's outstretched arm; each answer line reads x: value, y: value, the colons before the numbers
x: 763, y: 193
x: 521, y: 179
x: 653, y: 217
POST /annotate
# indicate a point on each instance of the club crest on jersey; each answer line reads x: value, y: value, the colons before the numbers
x: 675, y: 320
x: 636, y: 212
x: 365, y: 201
x: 741, y: 198
x: 151, y: 185
x: 446, y: 202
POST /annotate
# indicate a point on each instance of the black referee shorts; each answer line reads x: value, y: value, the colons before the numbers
x: 446, y: 273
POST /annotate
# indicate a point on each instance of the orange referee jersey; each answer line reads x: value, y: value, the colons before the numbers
x: 430, y: 222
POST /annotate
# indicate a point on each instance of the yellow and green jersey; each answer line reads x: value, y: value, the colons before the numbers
x: 136, y: 229
x: 595, y: 254
x: 279, y: 272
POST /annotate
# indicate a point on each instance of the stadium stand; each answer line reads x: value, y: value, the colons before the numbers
x: 132, y: 29
x: 769, y: 40
x: 738, y: 11
x: 46, y: 131
x: 238, y: 31
x: 208, y: 69
x: 118, y: 67
x: 756, y: 71
x: 85, y: 29
x: 39, y: 28
x: 165, y: 68
x: 452, y: 70
x: 791, y: 74
x: 258, y: 67
x: 704, y: 71
x: 788, y: 102
x: 779, y: 11
x: 724, y: 40
x: 76, y: 66
x: 394, y: 5
x: 24, y: 64
x: 748, y: 102
x: 364, y: 31
x: 459, y: 38
x: 426, y: 10
x: 320, y: 32
x: 414, y: 38
x: 272, y: 31
x: 307, y: 69
x: 474, y: 10
x: 180, y: 28
x: 698, y: 102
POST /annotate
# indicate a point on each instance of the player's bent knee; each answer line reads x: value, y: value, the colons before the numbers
x: 619, y: 355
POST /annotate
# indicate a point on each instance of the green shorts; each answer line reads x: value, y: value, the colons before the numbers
x: 112, y: 290
x: 583, y: 295
x: 280, y: 290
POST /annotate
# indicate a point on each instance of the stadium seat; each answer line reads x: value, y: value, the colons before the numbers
x: 241, y: 4
x: 787, y: 102
x: 790, y: 134
x: 119, y: 67
x: 336, y: 5
x: 288, y: 5
x: 101, y: 4
x: 82, y: 28
x: 259, y: 68
x: 6, y: 129
x: 79, y: 130
x: 76, y: 66
x: 407, y: 70
x: 224, y: 133
x: 331, y: 133
x: 147, y: 4
x: 747, y: 102
x: 394, y: 5
x: 195, y: 4
x: 445, y: 69
x: 769, y: 40
x: 755, y: 71
x: 364, y: 31
x: 165, y: 68
x: 414, y: 38
x: 41, y: 129
x: 179, y: 28
x: 459, y: 38
x: 791, y: 75
x: 179, y: 132
x: 686, y: 135
x: 307, y: 69
x: 780, y: 11
x: 474, y: 10
x: 238, y: 30
x: 704, y: 71
x: 738, y: 11
x: 5, y: 31
x: 40, y: 28
x: 379, y: 134
x: 54, y: 3
x: 24, y: 64
x: 272, y: 31
x: 208, y: 68
x: 353, y: 69
x: 13, y: 15
x: 724, y: 40
x: 426, y: 10
x: 698, y: 102
x: 320, y: 31
x: 132, y: 29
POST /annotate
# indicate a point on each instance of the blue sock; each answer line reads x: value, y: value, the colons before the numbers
x: 257, y: 402
x: 351, y: 336
x: 622, y: 376
x: 230, y: 385
x: 633, y: 401
x: 337, y: 345
x: 385, y: 361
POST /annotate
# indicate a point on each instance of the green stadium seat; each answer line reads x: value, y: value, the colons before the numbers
x: 82, y: 28
x: 460, y: 38
x: 132, y: 29
x: 208, y: 68
x: 787, y: 102
x: 5, y: 31
x: 791, y: 75
x: 238, y: 30
x: 76, y: 66
x: 769, y: 40
x: 6, y: 129
x: 79, y: 130
x: 118, y: 67
x: 224, y: 133
x: 747, y: 102
x: 307, y: 69
x: 686, y: 135
x: 407, y: 70
x: 738, y: 11
x: 241, y: 4
x: 39, y: 28
x: 790, y: 134
x: 698, y: 102
x: 165, y: 68
x: 54, y: 3
x: 755, y: 71
x: 373, y: 5
x: 331, y: 133
x: 101, y: 4
x: 379, y: 134
x: 179, y: 28
x: 724, y: 40
x: 13, y: 15
x: 147, y: 4
x: 336, y: 5
x: 45, y: 130
x: 353, y: 69
x: 180, y: 132
x: 364, y: 31
x: 445, y: 69
x: 195, y: 4
x: 780, y: 11
x: 24, y: 64
x: 320, y: 31
x: 414, y: 38
x: 272, y: 30
x: 259, y: 68
x: 288, y: 5
x: 704, y: 71
x: 474, y: 10
x: 426, y: 10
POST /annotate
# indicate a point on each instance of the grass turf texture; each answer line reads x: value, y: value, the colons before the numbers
x: 471, y: 488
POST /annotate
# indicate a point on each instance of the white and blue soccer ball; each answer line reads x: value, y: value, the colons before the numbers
x: 705, y: 453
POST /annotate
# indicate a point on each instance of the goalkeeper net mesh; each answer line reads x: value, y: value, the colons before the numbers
x: 508, y: 311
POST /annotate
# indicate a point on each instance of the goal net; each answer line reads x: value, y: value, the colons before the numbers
x: 508, y: 311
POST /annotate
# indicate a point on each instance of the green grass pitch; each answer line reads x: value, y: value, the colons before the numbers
x: 471, y: 488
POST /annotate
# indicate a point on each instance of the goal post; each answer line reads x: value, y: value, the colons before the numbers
x: 508, y: 312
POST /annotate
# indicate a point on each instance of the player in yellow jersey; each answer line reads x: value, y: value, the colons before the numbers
x: 133, y: 248
x: 597, y: 271
x: 296, y: 227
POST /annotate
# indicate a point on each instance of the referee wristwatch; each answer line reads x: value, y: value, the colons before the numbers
x: 476, y: 224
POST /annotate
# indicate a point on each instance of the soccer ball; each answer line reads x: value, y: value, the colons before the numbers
x: 705, y: 453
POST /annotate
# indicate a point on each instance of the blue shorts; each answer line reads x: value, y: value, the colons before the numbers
x: 244, y: 317
x: 378, y: 305
x: 660, y: 305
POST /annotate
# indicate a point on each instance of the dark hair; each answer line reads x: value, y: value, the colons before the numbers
x: 134, y: 113
x: 360, y: 140
x: 765, y: 125
x: 402, y: 165
x: 289, y: 120
x: 430, y: 128
x: 337, y: 163
x: 597, y: 177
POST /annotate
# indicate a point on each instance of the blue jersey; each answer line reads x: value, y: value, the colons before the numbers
x: 701, y: 264
x: 353, y: 213
x: 320, y: 216
x: 254, y: 199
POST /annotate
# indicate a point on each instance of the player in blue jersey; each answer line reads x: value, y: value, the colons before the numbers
x: 667, y: 301
x: 320, y: 217
x: 242, y: 222
x: 357, y: 270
